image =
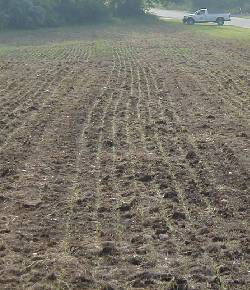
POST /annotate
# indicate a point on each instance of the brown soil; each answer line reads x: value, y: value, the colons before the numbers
x: 124, y: 162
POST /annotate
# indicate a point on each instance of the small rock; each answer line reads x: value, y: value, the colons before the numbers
x: 32, y: 204
x: 163, y: 237
x: 141, y: 251
x: 211, y: 117
x: 223, y: 269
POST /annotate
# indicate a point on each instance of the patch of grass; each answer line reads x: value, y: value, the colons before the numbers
x: 8, y: 51
x: 244, y: 16
x: 102, y: 48
x: 39, y: 52
x: 215, y: 31
x: 226, y: 32
x: 172, y: 21
x: 184, y: 51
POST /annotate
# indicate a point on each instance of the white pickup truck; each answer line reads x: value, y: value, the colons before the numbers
x: 202, y: 16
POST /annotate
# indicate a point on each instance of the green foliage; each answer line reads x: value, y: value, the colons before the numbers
x: 21, y: 13
x: 225, y: 5
x: 131, y: 7
x: 35, y: 13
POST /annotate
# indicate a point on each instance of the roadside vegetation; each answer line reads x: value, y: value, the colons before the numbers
x: 234, y: 6
x: 214, y: 31
x: 227, y: 32
x: 245, y: 16
x: 47, y: 13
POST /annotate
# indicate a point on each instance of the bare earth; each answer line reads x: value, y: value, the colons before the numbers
x: 124, y: 161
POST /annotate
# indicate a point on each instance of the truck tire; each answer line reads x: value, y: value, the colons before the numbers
x: 190, y: 21
x: 220, y: 21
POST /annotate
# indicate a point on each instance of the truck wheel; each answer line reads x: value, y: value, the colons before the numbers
x: 220, y: 21
x: 190, y: 21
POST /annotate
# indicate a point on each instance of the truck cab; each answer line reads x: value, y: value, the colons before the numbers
x: 201, y: 15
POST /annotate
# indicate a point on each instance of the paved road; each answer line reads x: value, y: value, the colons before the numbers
x: 172, y: 14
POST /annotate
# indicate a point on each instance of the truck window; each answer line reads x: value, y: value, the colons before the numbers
x: 201, y: 12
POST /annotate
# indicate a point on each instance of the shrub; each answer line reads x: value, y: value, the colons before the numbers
x: 34, y: 13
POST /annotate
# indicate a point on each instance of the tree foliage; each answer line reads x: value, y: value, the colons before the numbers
x: 223, y: 4
x: 131, y: 7
x: 36, y: 13
x: 234, y: 5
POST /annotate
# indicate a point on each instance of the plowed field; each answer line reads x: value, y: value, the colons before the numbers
x: 124, y: 160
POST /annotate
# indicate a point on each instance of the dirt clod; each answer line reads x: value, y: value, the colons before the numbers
x: 192, y: 157
x: 179, y: 284
x: 170, y: 195
x: 52, y: 276
x: 145, y: 178
x: 108, y: 249
x: 179, y: 215
x: 125, y: 207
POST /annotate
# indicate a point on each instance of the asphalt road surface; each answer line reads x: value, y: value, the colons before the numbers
x: 172, y: 14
